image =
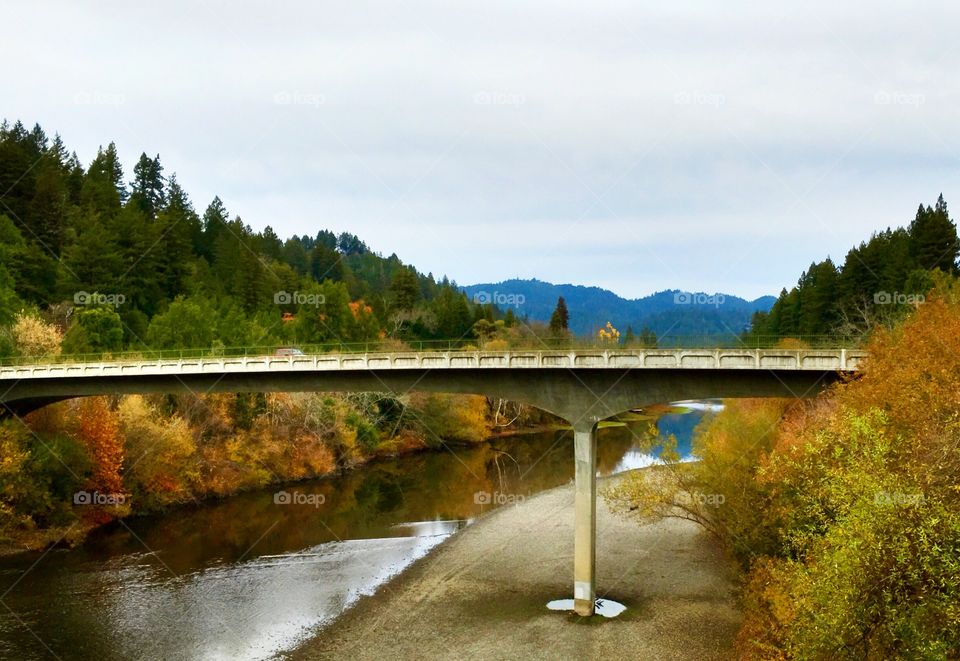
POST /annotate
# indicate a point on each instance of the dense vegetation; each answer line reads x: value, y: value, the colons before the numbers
x: 878, y: 282
x: 90, y: 263
x: 132, y: 454
x: 844, y: 511
x: 112, y: 265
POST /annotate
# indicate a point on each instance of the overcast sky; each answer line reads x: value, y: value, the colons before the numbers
x: 717, y: 146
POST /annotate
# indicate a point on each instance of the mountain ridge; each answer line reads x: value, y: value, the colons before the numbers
x: 667, y: 312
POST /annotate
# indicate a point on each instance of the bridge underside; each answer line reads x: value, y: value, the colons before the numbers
x: 582, y: 396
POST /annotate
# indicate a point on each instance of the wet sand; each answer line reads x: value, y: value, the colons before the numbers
x: 483, y: 594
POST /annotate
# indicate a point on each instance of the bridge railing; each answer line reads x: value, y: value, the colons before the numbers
x: 394, y: 346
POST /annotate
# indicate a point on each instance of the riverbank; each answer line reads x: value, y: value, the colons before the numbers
x: 483, y: 593
x: 158, y: 461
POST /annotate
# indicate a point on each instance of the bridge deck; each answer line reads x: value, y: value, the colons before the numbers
x: 751, y: 359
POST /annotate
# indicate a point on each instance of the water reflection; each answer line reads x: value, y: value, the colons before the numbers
x: 680, y: 425
x: 246, y: 577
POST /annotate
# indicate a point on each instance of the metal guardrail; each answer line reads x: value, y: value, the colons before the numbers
x: 464, y: 345
x: 736, y: 359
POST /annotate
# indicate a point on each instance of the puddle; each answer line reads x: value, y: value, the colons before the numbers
x: 604, y: 607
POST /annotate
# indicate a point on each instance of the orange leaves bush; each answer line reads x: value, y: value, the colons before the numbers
x: 98, y: 429
x: 913, y: 375
x: 861, y: 494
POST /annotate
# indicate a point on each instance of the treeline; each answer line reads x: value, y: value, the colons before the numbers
x: 91, y: 263
x: 877, y: 283
x: 110, y: 264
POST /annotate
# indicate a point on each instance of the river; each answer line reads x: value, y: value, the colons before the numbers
x: 256, y: 574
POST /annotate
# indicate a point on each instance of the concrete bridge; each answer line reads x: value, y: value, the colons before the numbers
x: 581, y: 386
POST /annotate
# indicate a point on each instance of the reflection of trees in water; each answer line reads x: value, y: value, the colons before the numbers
x: 364, y: 503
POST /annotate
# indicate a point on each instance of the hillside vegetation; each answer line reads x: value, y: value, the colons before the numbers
x: 843, y: 510
x: 879, y: 281
x: 109, y: 265
x: 90, y: 264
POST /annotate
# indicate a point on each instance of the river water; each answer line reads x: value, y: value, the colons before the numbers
x: 256, y: 574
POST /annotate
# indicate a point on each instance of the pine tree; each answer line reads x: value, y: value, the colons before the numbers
x: 452, y: 312
x: 817, y: 294
x: 37, y: 142
x: 58, y: 152
x: 17, y: 174
x: 560, y: 319
x: 103, y: 190
x: 138, y: 242
x: 48, y: 208
x: 933, y: 238
x: 147, y: 187
x: 404, y: 290
x: 179, y: 229
x: 270, y: 244
x: 12, y: 252
x: 648, y: 339
x: 93, y: 261
x: 215, y: 220
x: 790, y: 314
x: 294, y: 254
x: 326, y: 264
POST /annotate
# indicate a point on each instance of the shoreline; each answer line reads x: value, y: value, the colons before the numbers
x: 483, y: 593
x: 81, y: 530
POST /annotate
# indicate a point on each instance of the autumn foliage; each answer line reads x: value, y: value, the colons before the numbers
x: 98, y: 430
x: 843, y: 510
x: 161, y: 451
x: 861, y: 492
x: 34, y: 337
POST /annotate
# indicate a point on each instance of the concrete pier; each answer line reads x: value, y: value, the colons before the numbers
x: 585, y: 518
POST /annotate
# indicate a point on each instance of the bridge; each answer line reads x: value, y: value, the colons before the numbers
x: 582, y: 386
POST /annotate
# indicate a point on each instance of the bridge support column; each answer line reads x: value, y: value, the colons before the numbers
x: 585, y: 518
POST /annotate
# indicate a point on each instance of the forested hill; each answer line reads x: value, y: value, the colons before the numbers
x: 109, y: 264
x: 878, y: 282
x: 670, y: 312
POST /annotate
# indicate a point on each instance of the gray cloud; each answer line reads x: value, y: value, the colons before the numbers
x: 696, y: 145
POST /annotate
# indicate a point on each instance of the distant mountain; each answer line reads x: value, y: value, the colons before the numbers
x: 672, y: 312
